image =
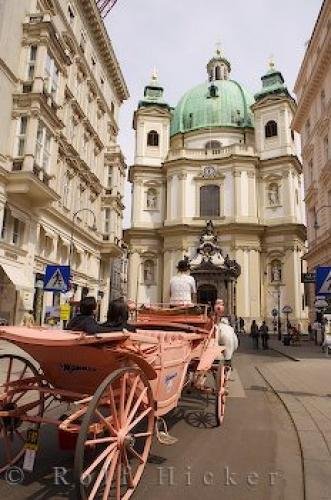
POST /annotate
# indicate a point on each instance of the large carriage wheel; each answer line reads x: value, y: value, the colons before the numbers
x: 13, y: 430
x: 115, y: 437
x: 221, y: 379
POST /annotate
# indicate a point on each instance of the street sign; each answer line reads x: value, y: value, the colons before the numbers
x: 323, y: 281
x: 287, y: 310
x: 65, y: 312
x: 57, y: 278
x: 308, y: 277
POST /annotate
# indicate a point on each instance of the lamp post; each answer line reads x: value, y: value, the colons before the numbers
x: 287, y: 310
x: 320, y: 306
x: 94, y: 228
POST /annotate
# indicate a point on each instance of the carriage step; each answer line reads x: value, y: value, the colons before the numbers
x: 163, y: 436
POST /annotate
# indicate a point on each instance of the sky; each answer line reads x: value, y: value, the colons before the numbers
x: 179, y: 37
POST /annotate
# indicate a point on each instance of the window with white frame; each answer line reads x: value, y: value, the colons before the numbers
x: 31, y: 65
x: 107, y: 221
x: 5, y: 221
x: 51, y: 81
x: 43, y: 147
x: 21, y: 136
x: 149, y: 271
x: 16, y: 232
x: 85, y: 142
x: 109, y: 176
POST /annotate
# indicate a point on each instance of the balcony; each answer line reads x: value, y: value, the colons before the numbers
x: 34, y: 186
x: 111, y: 245
x: 208, y: 154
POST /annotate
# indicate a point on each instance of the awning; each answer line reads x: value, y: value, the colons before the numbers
x: 18, y: 277
x: 49, y: 232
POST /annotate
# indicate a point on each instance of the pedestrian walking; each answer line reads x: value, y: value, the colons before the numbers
x: 264, y: 332
x: 242, y: 325
x: 255, y: 334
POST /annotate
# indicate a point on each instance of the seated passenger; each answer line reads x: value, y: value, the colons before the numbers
x: 182, y: 286
x: 117, y: 316
x: 85, y: 321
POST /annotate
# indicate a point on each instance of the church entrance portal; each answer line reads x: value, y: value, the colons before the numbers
x: 207, y: 294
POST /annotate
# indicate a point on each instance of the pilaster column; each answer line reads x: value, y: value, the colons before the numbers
x: 137, y: 202
x: 169, y: 196
x: 39, y: 74
x: 237, y: 193
x: 182, y: 193
x: 30, y: 143
x: 133, y: 270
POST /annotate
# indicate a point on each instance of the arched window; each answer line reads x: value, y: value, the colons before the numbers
x: 270, y: 129
x: 276, y: 271
x: 149, y: 271
x: 151, y: 199
x: 213, y: 145
x: 152, y: 138
x: 217, y: 73
x: 210, y: 201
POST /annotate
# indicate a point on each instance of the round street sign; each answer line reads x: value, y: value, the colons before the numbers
x: 274, y: 312
x: 287, y: 310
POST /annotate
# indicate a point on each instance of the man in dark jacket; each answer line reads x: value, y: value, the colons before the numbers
x: 264, y: 331
x: 85, y: 320
x: 255, y: 334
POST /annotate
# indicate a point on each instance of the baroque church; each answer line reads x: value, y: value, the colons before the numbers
x: 217, y: 180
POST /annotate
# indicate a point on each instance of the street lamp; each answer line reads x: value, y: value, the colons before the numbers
x: 320, y: 306
x: 287, y: 310
x: 94, y: 228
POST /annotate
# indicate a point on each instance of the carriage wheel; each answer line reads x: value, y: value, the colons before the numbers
x: 221, y: 393
x: 115, y: 437
x: 13, y: 430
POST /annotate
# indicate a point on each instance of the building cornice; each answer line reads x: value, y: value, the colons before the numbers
x: 8, y: 72
x: 281, y: 161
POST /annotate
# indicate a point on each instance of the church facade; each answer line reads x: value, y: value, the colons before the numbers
x: 223, y: 163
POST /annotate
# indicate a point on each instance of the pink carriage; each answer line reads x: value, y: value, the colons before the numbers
x: 117, y: 383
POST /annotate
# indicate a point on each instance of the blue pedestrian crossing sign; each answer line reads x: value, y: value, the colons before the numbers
x: 323, y: 281
x: 57, y: 278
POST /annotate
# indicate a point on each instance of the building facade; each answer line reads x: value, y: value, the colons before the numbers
x: 62, y: 172
x: 228, y: 157
x: 313, y: 121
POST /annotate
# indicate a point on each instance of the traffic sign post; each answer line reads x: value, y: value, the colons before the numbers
x: 57, y: 278
x: 323, y: 281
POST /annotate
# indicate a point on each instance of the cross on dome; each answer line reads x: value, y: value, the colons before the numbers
x: 218, y: 67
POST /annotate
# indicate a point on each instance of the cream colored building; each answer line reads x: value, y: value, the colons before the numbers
x: 61, y: 88
x: 220, y: 154
x: 313, y: 121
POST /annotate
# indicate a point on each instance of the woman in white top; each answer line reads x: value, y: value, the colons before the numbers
x: 182, y: 286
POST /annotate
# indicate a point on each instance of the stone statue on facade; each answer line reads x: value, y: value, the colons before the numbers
x: 208, y: 251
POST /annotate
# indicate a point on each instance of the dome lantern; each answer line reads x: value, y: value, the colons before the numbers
x: 218, y: 67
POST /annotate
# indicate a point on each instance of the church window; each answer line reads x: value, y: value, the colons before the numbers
x: 152, y: 138
x: 276, y: 271
x: 271, y: 129
x: 210, y: 201
x: 213, y: 145
x: 151, y: 199
x: 149, y: 271
x: 217, y: 73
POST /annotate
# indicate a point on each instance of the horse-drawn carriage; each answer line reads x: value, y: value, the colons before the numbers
x: 116, y: 384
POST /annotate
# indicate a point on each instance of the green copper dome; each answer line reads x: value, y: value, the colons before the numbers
x: 219, y: 103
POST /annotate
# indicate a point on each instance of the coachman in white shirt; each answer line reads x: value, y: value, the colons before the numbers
x: 182, y: 286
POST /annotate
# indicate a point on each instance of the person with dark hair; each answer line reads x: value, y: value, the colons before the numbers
x: 117, y: 316
x: 85, y: 320
x: 182, y: 286
x: 255, y: 334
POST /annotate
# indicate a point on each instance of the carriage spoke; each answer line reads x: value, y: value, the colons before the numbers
x: 137, y: 455
x: 106, y: 422
x: 113, y: 407
x: 110, y: 448
x: 110, y: 476
x: 10, y: 365
x: 136, y: 406
x: 142, y: 434
x: 122, y: 398
x: 141, y: 416
x: 131, y: 395
x: 118, y: 479
x: 101, y: 475
x: 92, y: 442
